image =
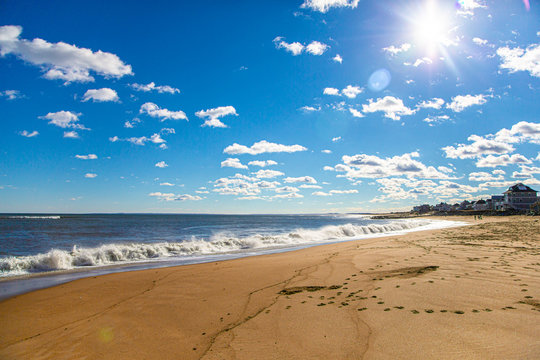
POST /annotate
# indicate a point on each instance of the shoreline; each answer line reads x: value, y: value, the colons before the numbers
x: 424, y: 294
x: 13, y: 285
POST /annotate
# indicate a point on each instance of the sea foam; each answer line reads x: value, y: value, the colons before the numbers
x: 220, y: 243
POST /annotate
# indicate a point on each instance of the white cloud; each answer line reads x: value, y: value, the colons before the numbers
x: 356, y: 113
x: 484, y: 176
x: 351, y: 91
x: 336, y: 139
x: 161, y: 164
x: 316, y: 48
x: 100, y: 95
x: 131, y: 124
x: 174, y: 197
x: 267, y: 174
x: 519, y: 59
x: 393, y: 50
x: 310, y: 108
x: 64, y: 119
x: 310, y: 186
x: 163, y: 114
x: 372, y: 166
x: 338, y: 58
x: 331, y: 91
x: 29, y: 134
x: 166, y: 184
x: 60, y: 60
x: 320, y: 193
x: 262, y: 147
x: 286, y: 189
x: 392, y: 107
x: 212, y: 115
x: 295, y: 48
x: 234, y: 163
x: 479, y: 42
x: 11, y: 94
x: 90, y: 175
x: 326, y: 151
x: 141, y: 141
x: 87, y: 157
x: 262, y: 163
x: 435, y: 103
x: 479, y: 146
x: 436, y: 119
x: 353, y: 191
x: 503, y: 160
x: 424, y: 60
x: 324, y: 5
x: 301, y: 179
x: 467, y: 7
x: 460, y: 102
x: 152, y: 87
x: 71, y: 134
x: 289, y: 196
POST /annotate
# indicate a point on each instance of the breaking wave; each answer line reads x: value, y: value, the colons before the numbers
x: 219, y: 244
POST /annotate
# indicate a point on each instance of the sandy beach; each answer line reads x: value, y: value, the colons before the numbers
x: 470, y: 292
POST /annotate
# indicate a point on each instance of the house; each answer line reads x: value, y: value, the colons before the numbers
x: 480, y: 205
x: 496, y: 202
x: 421, y: 209
x: 465, y: 205
x: 442, y: 207
x: 519, y: 197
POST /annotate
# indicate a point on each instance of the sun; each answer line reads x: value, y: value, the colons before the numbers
x: 431, y: 27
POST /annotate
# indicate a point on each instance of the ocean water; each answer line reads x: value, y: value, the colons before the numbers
x: 31, y: 244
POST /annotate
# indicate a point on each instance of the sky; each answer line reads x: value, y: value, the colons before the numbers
x: 307, y: 106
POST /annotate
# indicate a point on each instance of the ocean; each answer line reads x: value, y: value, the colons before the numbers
x: 103, y: 243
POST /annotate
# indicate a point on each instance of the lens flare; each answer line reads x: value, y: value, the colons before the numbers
x: 379, y: 80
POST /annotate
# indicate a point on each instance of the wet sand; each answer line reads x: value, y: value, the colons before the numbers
x: 461, y: 293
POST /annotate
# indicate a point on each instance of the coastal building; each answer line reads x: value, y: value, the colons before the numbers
x: 496, y: 202
x: 480, y: 205
x: 519, y: 197
x: 442, y: 207
x: 421, y: 209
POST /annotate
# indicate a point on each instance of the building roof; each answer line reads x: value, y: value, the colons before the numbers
x: 519, y: 188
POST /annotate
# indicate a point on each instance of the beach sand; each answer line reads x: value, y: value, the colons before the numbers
x: 460, y: 293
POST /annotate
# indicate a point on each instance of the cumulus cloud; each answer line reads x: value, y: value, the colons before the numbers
x: 502, y: 160
x: 152, y: 87
x: 460, y: 102
x: 431, y: 120
x: 418, y: 62
x: 372, y: 166
x: 262, y: 163
x: 243, y: 185
x: 60, y: 60
x: 163, y: 114
x: 71, y: 134
x: 479, y: 42
x: 309, y: 109
x: 161, y: 164
x: 64, y: 120
x: 301, y: 179
x: 479, y: 146
x: 351, y: 91
x: 326, y: 151
x: 174, y: 197
x: 267, y: 174
x: 394, y: 50
x: 100, y: 95
x: 87, y: 157
x: 392, y: 107
x: 262, y: 147
x: 320, y: 193
x: 519, y: 59
x: 324, y: 5
x: 331, y: 91
x: 212, y: 116
x: 294, y: 48
x: 336, y: 139
x: 11, y: 94
x: 234, y: 163
x: 142, y: 140
x: 485, y: 176
x: 166, y: 184
x: 316, y: 48
x: 467, y: 7
x: 435, y: 103
x: 338, y: 58
x: 29, y: 134
x: 90, y: 175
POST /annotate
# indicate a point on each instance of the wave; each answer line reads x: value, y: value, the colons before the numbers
x: 56, y: 217
x: 219, y: 244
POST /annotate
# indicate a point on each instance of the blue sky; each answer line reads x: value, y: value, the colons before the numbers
x: 266, y: 107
